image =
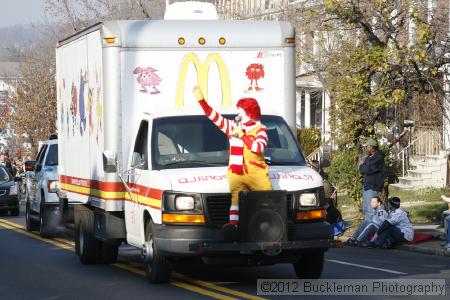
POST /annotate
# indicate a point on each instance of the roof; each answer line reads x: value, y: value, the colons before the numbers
x: 165, y: 34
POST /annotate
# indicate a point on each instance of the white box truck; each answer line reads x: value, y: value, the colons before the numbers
x: 134, y: 142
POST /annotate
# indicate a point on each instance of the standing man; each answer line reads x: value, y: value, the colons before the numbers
x: 373, y: 172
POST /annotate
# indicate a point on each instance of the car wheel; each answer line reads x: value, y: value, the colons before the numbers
x: 309, y: 266
x: 44, y: 228
x: 157, y: 267
x: 30, y: 224
x: 86, y: 245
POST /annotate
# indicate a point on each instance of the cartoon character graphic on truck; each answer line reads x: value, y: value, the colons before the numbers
x: 254, y: 73
x: 147, y: 78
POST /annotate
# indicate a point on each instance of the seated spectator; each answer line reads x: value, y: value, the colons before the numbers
x: 396, y: 229
x: 367, y: 229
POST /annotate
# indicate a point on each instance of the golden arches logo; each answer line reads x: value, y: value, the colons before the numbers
x: 202, y: 77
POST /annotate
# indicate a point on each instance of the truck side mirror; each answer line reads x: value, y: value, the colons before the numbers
x: 29, y: 165
x: 137, y: 160
x: 109, y: 161
x: 325, y: 156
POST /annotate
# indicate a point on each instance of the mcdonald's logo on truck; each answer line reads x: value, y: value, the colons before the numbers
x: 202, y: 77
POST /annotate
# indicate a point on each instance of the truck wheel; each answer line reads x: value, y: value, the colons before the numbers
x: 309, y: 266
x: 157, y: 268
x: 30, y: 224
x: 44, y: 230
x: 86, y: 245
x: 110, y: 250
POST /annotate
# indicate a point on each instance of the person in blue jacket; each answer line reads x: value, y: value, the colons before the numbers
x: 373, y: 172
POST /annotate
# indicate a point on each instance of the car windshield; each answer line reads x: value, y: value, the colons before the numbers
x: 4, y: 175
x: 52, y: 156
x: 193, y: 141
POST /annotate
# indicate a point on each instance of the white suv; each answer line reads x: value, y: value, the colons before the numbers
x: 42, y: 202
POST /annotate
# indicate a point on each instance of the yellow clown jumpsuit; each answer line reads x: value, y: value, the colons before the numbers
x: 255, y: 175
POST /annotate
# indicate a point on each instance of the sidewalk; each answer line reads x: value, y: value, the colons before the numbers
x: 432, y: 247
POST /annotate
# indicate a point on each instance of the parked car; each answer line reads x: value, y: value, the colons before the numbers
x: 42, y: 202
x: 9, y: 198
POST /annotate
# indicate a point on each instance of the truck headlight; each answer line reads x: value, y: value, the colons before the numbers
x: 308, y: 199
x: 184, y: 203
x: 52, y: 186
x: 13, y: 190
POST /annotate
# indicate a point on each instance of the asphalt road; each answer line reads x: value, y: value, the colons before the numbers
x: 36, y: 268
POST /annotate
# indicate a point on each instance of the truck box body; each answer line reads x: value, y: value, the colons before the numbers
x: 118, y: 78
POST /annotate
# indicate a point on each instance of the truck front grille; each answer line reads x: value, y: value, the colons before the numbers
x: 219, y: 207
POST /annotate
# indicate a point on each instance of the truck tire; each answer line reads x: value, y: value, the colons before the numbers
x: 157, y: 268
x: 309, y: 266
x: 44, y: 229
x: 110, y: 250
x: 86, y: 245
x: 30, y: 224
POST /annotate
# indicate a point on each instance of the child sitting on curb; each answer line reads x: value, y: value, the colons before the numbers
x: 369, y: 228
x: 396, y: 229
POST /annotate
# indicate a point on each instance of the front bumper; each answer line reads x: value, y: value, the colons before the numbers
x: 192, y: 241
x: 9, y: 202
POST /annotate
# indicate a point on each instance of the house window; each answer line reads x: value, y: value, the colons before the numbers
x: 316, y: 109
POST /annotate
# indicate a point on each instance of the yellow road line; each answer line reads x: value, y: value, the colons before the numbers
x: 70, y: 243
x: 217, y: 287
x: 21, y: 229
x: 60, y: 245
x: 65, y: 241
x: 196, y: 289
x: 12, y: 223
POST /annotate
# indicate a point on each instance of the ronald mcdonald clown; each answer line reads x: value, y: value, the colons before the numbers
x: 248, y: 139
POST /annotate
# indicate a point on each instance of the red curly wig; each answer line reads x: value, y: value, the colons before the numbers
x: 251, y: 108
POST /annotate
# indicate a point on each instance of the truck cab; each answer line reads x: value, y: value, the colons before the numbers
x: 187, y: 157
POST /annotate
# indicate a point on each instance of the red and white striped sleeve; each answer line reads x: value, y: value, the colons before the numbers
x: 222, y: 123
x: 260, y: 142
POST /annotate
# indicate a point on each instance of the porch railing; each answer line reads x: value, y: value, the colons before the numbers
x: 428, y: 142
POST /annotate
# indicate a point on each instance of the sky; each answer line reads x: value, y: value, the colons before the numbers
x: 13, y: 12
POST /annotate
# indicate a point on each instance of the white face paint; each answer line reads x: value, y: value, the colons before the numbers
x: 243, y: 115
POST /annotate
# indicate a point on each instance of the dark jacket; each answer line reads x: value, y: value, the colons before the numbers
x: 333, y: 215
x: 373, y: 172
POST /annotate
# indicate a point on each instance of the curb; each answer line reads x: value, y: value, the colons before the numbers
x: 425, y: 250
x: 437, y: 251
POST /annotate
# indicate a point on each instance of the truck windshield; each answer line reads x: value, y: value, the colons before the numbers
x: 194, y: 141
x: 52, y: 156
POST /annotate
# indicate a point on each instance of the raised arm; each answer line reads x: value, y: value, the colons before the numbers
x: 222, y: 123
